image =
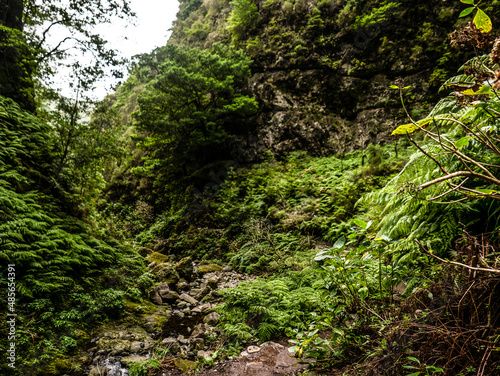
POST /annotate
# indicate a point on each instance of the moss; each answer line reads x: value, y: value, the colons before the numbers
x: 157, y: 257
x: 186, y: 366
x: 209, y: 268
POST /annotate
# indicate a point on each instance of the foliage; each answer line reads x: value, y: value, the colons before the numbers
x: 66, y: 279
x: 188, y: 111
x: 144, y: 367
x: 243, y: 18
x: 266, y: 308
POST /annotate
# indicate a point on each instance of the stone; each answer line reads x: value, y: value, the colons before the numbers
x: 205, y: 308
x: 209, y: 268
x: 152, y: 265
x: 185, y: 268
x: 183, y: 285
x: 162, y: 288
x: 157, y: 258
x: 155, y: 298
x: 165, y: 272
x: 182, y: 305
x: 169, y: 297
x: 188, y: 298
x: 195, y: 292
x: 198, y: 344
x: 98, y: 371
x: 200, y: 330
x: 212, y: 318
x: 186, y: 311
x: 173, y: 345
x: 212, y: 283
x: 204, y: 354
x: 196, y: 311
x: 227, y: 268
x: 253, y: 349
x: 186, y: 366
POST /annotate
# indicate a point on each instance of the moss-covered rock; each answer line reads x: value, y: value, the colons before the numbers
x: 209, y: 268
x: 185, y: 268
x: 165, y: 272
x: 186, y: 366
x: 157, y: 257
x: 127, y: 361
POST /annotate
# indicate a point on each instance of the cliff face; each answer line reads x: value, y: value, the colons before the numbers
x: 322, y: 69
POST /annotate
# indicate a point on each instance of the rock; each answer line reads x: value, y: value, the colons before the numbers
x: 195, y: 292
x: 253, y: 349
x: 227, y: 268
x: 127, y: 361
x: 155, y: 298
x: 182, y: 305
x: 170, y: 297
x: 152, y: 265
x: 157, y: 258
x: 173, y: 345
x: 136, y: 347
x: 189, y: 299
x: 198, y: 344
x: 196, y: 311
x: 186, y: 366
x: 186, y: 311
x: 98, y: 371
x: 121, y: 340
x: 209, y: 268
x: 212, y: 318
x: 199, y: 330
x: 205, y: 308
x: 165, y: 272
x: 212, y: 283
x: 204, y: 354
x: 185, y: 268
x: 162, y: 288
x: 181, y: 286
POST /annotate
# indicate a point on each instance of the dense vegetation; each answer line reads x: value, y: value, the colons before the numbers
x: 266, y: 136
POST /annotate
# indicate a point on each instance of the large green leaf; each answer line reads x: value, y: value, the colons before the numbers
x: 466, y: 12
x: 467, y: 1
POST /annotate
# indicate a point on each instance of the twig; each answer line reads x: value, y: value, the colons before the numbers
x: 496, y: 271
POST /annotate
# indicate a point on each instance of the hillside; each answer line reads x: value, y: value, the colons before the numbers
x: 314, y: 177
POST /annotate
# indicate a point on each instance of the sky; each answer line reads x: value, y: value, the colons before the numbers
x: 151, y: 30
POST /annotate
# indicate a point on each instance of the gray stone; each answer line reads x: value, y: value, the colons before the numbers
x: 212, y: 318
x: 188, y: 298
x: 169, y: 297
x: 155, y: 298
x: 200, y: 330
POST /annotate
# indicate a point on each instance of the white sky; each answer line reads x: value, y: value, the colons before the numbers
x: 151, y: 30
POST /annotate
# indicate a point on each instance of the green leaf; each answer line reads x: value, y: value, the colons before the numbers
x: 339, y: 243
x: 395, y: 87
x: 482, y: 21
x: 415, y: 373
x: 467, y: 1
x: 413, y: 359
x: 466, y: 12
x: 360, y: 223
x: 363, y: 292
x: 462, y: 142
x: 411, y: 127
x: 487, y: 191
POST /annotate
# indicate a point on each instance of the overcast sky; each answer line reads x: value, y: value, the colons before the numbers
x: 151, y: 29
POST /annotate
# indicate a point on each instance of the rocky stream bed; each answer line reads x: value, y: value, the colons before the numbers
x: 180, y: 319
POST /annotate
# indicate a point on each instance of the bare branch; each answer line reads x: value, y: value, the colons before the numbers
x: 495, y: 271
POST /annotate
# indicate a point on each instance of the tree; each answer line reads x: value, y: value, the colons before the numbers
x: 27, y: 49
x: 192, y: 106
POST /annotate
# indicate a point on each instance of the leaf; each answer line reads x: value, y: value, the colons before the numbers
x: 466, y: 12
x: 462, y: 142
x: 395, y: 87
x: 363, y: 292
x: 487, y: 191
x: 411, y: 127
x: 360, y: 223
x: 467, y: 1
x: 413, y: 359
x: 482, y: 21
x: 339, y: 243
x: 415, y: 373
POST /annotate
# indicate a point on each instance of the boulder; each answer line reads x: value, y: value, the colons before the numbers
x: 186, y: 366
x: 165, y: 272
x: 157, y: 258
x: 209, y: 268
x: 188, y: 298
x: 185, y: 268
x: 212, y: 318
x: 127, y: 361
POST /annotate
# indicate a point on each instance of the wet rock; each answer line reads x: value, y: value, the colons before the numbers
x: 98, y: 371
x: 189, y: 299
x: 212, y: 318
x: 209, y: 268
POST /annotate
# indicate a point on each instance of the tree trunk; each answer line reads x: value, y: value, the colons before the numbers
x: 15, y: 69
